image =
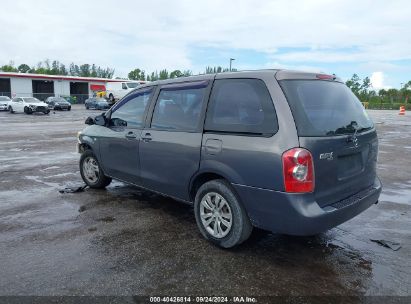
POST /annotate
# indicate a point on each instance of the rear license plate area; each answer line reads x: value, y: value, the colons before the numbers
x: 349, y: 165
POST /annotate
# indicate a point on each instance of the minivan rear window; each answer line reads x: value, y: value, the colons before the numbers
x: 325, y: 108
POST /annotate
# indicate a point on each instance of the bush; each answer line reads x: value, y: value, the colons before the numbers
x: 388, y: 106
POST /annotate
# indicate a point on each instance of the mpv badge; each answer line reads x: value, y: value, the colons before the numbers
x: 327, y: 156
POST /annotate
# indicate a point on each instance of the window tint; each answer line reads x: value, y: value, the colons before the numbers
x: 241, y: 106
x: 124, y: 86
x: 132, y: 109
x: 324, y: 108
x: 179, y: 107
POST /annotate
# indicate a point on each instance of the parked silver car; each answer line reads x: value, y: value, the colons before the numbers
x: 4, y: 103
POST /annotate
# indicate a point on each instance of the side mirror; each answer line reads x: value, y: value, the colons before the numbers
x: 89, y: 121
x: 100, y: 120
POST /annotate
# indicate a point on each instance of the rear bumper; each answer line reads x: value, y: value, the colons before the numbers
x: 299, y: 214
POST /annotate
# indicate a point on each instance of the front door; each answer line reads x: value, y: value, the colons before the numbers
x: 171, y: 145
x: 119, y: 143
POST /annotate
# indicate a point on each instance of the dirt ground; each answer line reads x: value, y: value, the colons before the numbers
x: 125, y: 241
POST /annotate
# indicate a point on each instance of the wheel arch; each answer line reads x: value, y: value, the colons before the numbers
x: 84, y: 147
x: 202, y: 177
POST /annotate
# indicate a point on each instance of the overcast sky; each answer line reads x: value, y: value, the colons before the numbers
x: 370, y: 38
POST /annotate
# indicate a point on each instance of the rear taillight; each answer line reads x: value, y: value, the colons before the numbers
x: 298, y: 170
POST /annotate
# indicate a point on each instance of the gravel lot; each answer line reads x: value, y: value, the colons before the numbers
x: 125, y: 241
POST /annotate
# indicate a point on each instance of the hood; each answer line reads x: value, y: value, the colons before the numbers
x: 37, y: 103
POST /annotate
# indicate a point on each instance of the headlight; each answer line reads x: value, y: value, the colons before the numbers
x: 78, y: 134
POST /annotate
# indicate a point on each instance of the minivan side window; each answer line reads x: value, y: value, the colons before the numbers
x: 179, y: 107
x: 132, y: 109
x: 124, y: 86
x: 241, y: 106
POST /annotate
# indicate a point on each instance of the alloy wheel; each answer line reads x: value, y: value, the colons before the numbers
x: 91, y: 170
x: 216, y: 215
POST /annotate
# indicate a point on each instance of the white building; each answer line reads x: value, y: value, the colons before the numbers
x: 43, y: 86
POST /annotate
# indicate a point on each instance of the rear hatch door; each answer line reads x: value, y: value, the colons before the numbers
x: 334, y: 126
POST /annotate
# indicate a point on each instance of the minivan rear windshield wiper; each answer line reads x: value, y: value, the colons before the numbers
x: 362, y: 129
x: 349, y: 129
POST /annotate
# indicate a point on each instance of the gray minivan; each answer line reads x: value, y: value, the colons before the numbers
x: 286, y: 151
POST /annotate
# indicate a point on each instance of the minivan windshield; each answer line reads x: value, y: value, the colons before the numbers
x: 325, y: 108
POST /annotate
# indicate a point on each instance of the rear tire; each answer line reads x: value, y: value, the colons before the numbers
x: 216, y: 204
x: 91, y: 171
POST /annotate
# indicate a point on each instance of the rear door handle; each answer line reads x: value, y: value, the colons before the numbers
x: 131, y: 135
x: 146, y: 137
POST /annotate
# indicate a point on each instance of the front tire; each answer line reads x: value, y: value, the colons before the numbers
x: 11, y: 110
x: 111, y: 98
x: 220, y: 216
x: 91, y: 171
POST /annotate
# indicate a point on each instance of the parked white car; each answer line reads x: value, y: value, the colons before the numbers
x: 28, y: 105
x: 4, y: 103
x: 117, y: 90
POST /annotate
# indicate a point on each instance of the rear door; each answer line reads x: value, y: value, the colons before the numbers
x: 171, y: 142
x: 119, y: 142
x: 333, y: 125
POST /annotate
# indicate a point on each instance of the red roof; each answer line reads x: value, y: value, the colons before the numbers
x: 57, y: 77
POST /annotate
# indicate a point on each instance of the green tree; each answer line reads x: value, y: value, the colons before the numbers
x: 85, y: 70
x: 354, y: 84
x: 135, y: 74
x: 176, y: 74
x: 187, y: 73
x: 8, y: 67
x: 365, y: 93
x: 24, y: 68
x: 164, y: 74
x: 382, y: 93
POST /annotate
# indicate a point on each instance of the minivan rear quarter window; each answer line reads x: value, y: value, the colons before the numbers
x: 242, y: 106
x: 325, y: 108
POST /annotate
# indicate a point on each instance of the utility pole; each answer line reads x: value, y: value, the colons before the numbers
x: 231, y: 60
